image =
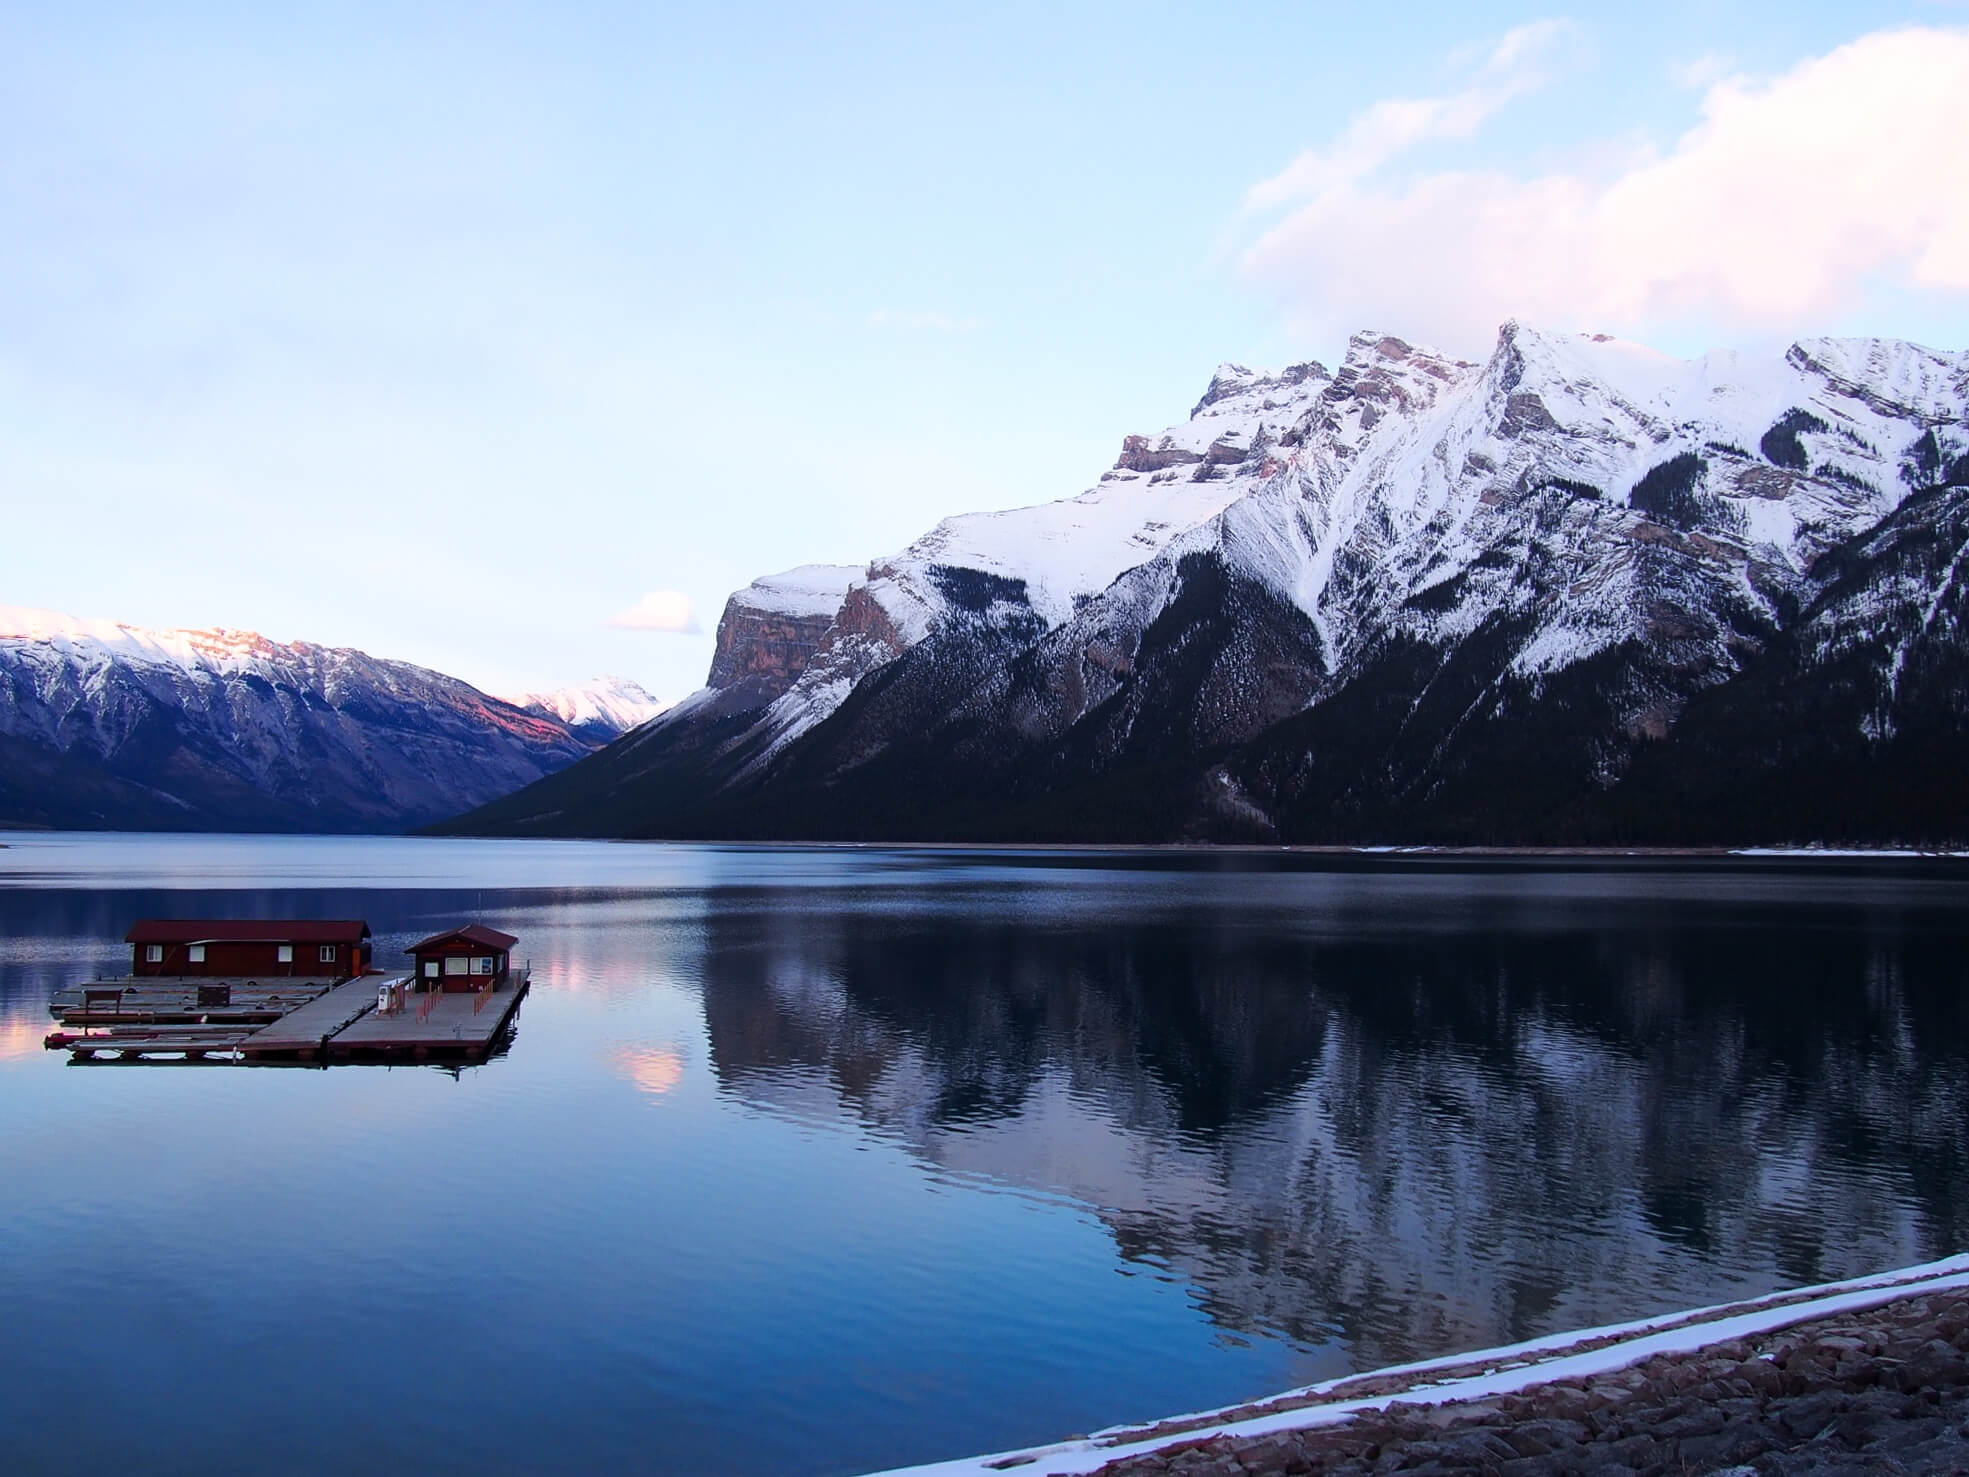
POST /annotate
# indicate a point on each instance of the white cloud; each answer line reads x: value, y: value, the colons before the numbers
x: 660, y: 610
x: 1778, y: 209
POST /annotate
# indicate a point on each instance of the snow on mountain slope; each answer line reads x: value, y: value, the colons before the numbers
x: 601, y: 708
x: 1026, y: 570
x: 217, y: 649
x: 1050, y: 556
x: 1407, y: 520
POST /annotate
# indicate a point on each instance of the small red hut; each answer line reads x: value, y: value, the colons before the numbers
x: 334, y: 948
x: 459, y: 959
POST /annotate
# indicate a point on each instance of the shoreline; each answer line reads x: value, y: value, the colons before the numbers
x: 1393, y: 1412
x: 1420, y: 850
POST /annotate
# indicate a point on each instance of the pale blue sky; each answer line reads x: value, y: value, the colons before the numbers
x: 448, y: 332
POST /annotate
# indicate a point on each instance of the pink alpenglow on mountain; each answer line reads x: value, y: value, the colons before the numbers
x: 110, y: 725
x: 601, y: 708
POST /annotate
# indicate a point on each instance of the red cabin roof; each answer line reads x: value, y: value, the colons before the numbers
x: 247, y: 931
x: 471, y: 933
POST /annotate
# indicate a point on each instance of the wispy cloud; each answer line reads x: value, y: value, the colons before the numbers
x: 926, y: 322
x: 1782, y: 205
x: 1521, y: 61
x: 1705, y: 71
x: 660, y: 610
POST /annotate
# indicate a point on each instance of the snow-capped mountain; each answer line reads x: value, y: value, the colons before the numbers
x: 600, y: 709
x: 1415, y: 598
x: 110, y: 725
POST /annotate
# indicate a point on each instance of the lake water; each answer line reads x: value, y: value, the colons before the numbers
x: 811, y: 1161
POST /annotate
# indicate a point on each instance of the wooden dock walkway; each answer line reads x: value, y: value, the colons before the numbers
x: 434, y: 1025
x: 304, y: 1032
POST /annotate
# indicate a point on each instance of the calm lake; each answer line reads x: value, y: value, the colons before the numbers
x: 811, y: 1161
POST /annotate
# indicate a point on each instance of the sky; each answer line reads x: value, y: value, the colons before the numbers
x: 509, y: 339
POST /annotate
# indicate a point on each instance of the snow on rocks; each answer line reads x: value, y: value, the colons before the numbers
x: 809, y: 590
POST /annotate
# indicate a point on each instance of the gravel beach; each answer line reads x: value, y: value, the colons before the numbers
x: 1885, y: 1390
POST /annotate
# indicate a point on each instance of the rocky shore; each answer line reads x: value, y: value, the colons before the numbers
x: 1866, y: 1375
x: 1884, y: 1390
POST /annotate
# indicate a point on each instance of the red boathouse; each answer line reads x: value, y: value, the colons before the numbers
x: 468, y: 958
x: 333, y: 948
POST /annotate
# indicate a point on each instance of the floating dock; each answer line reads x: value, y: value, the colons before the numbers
x: 324, y: 1023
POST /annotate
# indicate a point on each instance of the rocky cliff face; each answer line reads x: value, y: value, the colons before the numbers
x: 770, y: 629
x: 1415, y: 599
x: 105, y: 725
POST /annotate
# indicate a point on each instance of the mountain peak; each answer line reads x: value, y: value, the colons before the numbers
x: 600, y: 708
x: 1235, y: 383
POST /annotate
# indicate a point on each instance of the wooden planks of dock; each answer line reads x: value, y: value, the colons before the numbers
x: 305, y: 1031
x: 434, y: 1025
x: 155, y: 1001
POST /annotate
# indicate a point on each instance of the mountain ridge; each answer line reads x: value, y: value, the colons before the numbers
x: 106, y: 725
x: 1410, y: 599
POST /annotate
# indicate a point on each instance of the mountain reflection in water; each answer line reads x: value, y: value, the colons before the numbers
x: 1411, y: 1127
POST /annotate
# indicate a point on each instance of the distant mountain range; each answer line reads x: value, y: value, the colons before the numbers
x: 105, y: 725
x: 598, y: 710
x: 1582, y: 592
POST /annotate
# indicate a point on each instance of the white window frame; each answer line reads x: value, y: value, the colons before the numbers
x: 196, y: 953
x: 482, y: 964
x: 284, y: 954
x: 457, y: 964
x: 153, y: 953
x: 327, y: 954
x: 430, y: 969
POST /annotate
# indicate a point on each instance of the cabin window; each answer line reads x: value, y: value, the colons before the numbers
x: 482, y: 965
x: 430, y: 969
x: 284, y: 954
x: 456, y: 964
x: 153, y: 953
x: 327, y: 955
x: 196, y: 953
